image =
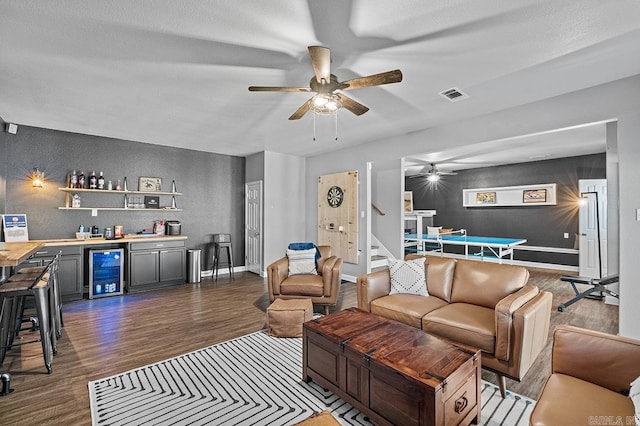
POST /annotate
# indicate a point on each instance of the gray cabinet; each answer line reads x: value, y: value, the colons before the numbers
x: 70, y: 272
x: 156, y: 264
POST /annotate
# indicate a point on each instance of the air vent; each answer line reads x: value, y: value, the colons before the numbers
x: 454, y: 94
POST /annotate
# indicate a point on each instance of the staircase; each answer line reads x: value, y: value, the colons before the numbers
x: 378, y: 261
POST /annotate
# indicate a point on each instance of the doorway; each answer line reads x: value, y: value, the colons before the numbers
x: 592, y: 228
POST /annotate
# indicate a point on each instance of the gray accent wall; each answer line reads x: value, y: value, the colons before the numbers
x: 539, y: 225
x: 212, y: 186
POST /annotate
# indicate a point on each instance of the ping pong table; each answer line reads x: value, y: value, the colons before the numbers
x: 488, y: 246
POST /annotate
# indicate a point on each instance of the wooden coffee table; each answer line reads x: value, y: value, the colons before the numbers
x: 393, y: 373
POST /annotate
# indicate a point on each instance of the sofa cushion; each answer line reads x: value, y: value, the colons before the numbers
x: 486, y: 283
x: 406, y: 308
x: 408, y: 277
x: 302, y: 285
x: 566, y: 400
x: 468, y: 324
x: 440, y: 272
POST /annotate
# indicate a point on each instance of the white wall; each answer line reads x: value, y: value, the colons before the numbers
x: 384, y: 193
x: 283, y: 204
x: 616, y: 100
x: 629, y: 159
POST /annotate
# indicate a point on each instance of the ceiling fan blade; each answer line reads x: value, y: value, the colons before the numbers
x: 388, y: 77
x: 301, y: 111
x: 355, y: 107
x: 278, y: 89
x: 321, y: 61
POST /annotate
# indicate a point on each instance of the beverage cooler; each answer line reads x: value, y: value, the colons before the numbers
x: 106, y: 272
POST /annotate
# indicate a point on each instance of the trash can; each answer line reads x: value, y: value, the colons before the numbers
x: 194, y: 265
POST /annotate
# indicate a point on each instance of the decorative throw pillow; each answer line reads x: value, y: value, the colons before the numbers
x: 408, y: 277
x: 634, y: 394
x: 302, y: 262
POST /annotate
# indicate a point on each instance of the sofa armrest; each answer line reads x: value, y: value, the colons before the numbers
x: 331, y: 275
x: 504, y: 318
x: 606, y: 360
x: 277, y: 272
x: 372, y: 286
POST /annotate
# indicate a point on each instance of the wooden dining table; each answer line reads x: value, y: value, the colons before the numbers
x: 12, y: 254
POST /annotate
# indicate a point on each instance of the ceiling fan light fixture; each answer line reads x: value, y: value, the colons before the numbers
x: 433, y: 177
x: 325, y: 103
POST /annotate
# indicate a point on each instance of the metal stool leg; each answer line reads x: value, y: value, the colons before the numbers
x: 230, y: 258
x: 42, y: 307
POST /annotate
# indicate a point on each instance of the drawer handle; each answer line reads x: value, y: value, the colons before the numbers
x: 461, y: 404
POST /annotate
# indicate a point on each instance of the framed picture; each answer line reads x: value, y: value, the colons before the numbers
x: 486, y: 198
x: 149, y: 184
x: 534, y: 196
x: 408, y: 201
x: 151, y: 202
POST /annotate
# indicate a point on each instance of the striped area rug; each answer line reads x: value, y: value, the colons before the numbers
x: 252, y: 380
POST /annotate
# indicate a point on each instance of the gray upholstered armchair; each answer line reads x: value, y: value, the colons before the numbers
x: 322, y: 289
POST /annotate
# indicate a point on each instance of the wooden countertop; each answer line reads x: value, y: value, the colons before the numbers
x: 15, y: 253
x: 130, y: 238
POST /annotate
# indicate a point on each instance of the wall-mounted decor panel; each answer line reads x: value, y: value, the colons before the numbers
x: 520, y: 195
x: 338, y: 214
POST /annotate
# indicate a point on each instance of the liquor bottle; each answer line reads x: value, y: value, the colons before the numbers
x: 101, y: 181
x: 81, y: 183
x: 73, y: 180
x: 93, y: 180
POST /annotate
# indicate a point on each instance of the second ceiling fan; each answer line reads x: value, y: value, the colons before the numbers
x: 325, y: 84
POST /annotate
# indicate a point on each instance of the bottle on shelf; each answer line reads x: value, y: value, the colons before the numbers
x: 75, y: 201
x: 81, y: 182
x: 73, y: 179
x: 101, y: 181
x: 118, y: 186
x: 93, y: 180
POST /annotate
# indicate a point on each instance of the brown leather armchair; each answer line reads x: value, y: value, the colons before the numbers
x: 591, y: 373
x: 322, y: 289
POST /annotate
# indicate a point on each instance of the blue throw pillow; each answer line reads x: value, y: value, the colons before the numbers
x: 305, y: 246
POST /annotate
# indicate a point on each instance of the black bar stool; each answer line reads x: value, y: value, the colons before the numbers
x: 222, y: 241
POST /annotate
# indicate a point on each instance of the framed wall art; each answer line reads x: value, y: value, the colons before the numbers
x: 149, y: 184
x: 534, y: 196
x: 486, y: 198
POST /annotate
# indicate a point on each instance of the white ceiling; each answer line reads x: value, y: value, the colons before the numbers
x: 176, y: 72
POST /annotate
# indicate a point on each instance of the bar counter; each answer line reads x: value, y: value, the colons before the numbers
x: 129, y: 238
x: 150, y: 262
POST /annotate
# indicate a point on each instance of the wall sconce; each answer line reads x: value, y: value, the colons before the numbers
x: 37, y: 178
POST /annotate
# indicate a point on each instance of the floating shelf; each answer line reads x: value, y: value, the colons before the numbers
x: 543, y: 194
x: 114, y: 191
x: 120, y: 208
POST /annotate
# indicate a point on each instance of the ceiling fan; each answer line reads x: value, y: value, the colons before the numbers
x: 433, y: 174
x: 325, y: 84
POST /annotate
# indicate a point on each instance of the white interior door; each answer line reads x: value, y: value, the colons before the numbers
x: 253, y: 220
x: 592, y: 232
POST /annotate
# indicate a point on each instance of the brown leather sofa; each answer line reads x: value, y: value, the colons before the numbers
x: 485, y: 305
x: 591, y: 373
x: 322, y: 289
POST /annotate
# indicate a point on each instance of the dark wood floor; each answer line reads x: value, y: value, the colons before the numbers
x: 107, y: 336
